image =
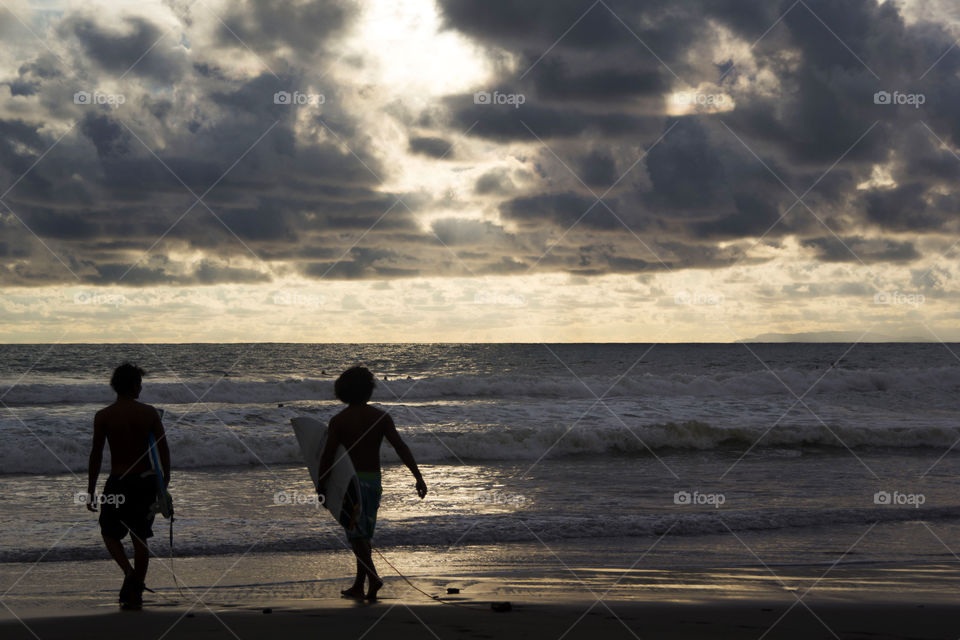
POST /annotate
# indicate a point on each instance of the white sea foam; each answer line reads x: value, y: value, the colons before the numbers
x: 217, y: 445
x: 929, y: 382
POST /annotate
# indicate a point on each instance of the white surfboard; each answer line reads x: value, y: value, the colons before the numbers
x: 342, y: 484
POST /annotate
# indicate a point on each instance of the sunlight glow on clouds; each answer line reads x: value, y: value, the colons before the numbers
x: 459, y: 171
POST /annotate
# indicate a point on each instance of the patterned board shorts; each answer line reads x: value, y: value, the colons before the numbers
x: 359, y: 518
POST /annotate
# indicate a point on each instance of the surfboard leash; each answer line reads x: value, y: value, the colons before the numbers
x: 163, y: 495
x: 172, y: 572
x: 170, y: 568
x: 432, y: 597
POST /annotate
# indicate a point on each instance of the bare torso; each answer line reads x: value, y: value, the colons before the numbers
x: 126, y: 425
x: 361, y: 429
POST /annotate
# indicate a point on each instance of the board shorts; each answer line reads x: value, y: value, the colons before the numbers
x: 131, y: 512
x: 360, y: 520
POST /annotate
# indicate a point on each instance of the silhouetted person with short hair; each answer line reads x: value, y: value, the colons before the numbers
x: 361, y: 429
x: 131, y: 488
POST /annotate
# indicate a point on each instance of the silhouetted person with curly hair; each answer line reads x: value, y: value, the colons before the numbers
x: 361, y: 429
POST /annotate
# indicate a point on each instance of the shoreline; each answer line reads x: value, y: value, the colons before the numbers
x: 562, y: 591
x: 482, y: 575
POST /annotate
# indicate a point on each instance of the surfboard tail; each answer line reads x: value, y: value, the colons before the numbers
x: 164, y: 502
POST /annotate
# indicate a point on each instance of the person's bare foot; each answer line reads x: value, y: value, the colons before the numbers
x: 375, y: 586
x: 353, y: 592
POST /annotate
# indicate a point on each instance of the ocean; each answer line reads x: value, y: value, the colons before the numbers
x: 712, y: 454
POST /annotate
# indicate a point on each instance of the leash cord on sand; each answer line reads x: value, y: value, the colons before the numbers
x: 382, y: 557
x: 434, y: 598
x: 172, y: 572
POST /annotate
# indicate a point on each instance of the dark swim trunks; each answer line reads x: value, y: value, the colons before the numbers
x: 360, y: 520
x: 126, y: 505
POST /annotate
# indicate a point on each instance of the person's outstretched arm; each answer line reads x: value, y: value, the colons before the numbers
x: 96, y: 458
x: 390, y: 433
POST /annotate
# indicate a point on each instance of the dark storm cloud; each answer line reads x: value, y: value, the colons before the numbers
x: 553, y: 81
x: 54, y: 224
x: 531, y: 27
x: 688, y: 169
x: 280, y: 182
x: 563, y: 208
x: 107, y: 136
x: 43, y: 67
x: 21, y: 88
x: 902, y: 208
x: 597, y: 169
x: 131, y: 47
x: 858, y: 249
x: 730, y: 174
x: 365, y: 263
x: 18, y: 140
x: 265, y: 25
x: 494, y: 182
x: 753, y: 217
x: 433, y: 147
x: 504, y: 123
x: 922, y: 157
x: 297, y: 185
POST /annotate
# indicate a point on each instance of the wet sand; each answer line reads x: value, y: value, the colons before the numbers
x: 227, y: 596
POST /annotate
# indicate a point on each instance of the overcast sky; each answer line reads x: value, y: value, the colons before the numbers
x: 550, y: 170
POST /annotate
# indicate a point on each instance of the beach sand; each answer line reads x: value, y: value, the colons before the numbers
x: 705, y: 619
x: 226, y: 596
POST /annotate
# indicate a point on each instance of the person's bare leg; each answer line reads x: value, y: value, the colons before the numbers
x: 118, y: 553
x: 356, y: 591
x: 366, y: 552
x: 141, y: 557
